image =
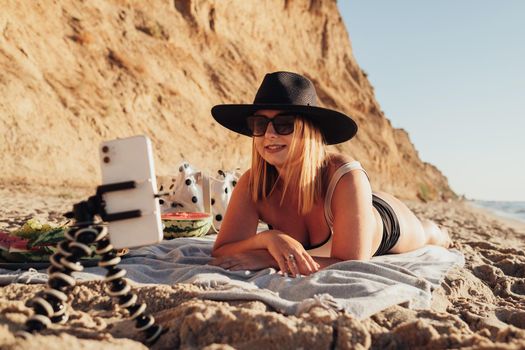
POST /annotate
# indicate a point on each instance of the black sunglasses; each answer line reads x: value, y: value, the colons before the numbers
x: 282, y: 124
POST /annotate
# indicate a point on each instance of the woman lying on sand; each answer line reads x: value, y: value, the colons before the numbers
x: 319, y: 206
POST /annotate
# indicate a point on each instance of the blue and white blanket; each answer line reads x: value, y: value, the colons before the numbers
x: 362, y: 288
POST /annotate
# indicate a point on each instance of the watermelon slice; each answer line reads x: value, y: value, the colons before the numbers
x: 16, y: 249
x: 32, y: 242
x: 186, y: 224
x: 20, y: 245
x: 6, y: 239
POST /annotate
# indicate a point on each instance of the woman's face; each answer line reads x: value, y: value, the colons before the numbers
x: 272, y: 146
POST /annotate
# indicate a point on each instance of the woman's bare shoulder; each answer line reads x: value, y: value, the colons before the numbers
x: 335, y: 160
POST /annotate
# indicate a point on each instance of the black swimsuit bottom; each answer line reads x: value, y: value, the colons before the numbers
x: 391, y: 231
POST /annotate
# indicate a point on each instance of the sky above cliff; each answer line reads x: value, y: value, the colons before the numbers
x: 452, y: 74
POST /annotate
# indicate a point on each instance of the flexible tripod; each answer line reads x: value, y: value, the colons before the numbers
x: 50, y: 307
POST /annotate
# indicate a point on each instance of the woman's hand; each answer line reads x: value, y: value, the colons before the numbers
x: 252, y: 260
x: 289, y: 254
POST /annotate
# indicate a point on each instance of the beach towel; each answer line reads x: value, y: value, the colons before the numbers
x: 361, y: 288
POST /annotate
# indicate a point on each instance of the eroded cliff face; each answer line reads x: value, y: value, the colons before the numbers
x: 74, y: 73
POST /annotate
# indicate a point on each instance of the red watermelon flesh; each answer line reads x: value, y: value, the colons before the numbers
x: 14, y: 243
x: 6, y: 239
x: 21, y: 245
x: 182, y: 215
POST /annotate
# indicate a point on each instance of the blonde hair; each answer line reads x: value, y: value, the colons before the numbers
x: 303, y: 168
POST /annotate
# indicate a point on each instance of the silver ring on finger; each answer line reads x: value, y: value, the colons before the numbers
x: 291, y: 257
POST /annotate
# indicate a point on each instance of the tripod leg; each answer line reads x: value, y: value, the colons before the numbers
x: 50, y: 307
x: 119, y: 288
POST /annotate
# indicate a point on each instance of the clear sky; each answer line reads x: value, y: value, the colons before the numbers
x: 451, y: 73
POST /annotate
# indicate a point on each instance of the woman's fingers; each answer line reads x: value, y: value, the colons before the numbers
x: 292, y: 264
x: 283, y: 264
x: 312, y: 265
x: 280, y: 258
x: 302, y: 263
x: 296, y: 263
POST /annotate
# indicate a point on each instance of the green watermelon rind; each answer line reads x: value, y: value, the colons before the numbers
x: 186, y: 228
x: 53, y: 236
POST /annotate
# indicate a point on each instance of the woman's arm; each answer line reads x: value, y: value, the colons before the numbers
x: 250, y: 260
x: 238, y: 234
x: 238, y: 230
x: 354, y: 221
x: 325, y: 262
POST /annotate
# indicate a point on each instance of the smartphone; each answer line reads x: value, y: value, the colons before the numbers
x: 131, y: 159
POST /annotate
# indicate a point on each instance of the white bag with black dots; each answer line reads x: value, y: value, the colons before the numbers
x: 190, y: 190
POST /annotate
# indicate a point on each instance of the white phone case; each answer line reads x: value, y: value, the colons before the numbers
x: 131, y: 159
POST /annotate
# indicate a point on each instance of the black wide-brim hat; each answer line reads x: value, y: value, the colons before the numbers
x: 288, y: 92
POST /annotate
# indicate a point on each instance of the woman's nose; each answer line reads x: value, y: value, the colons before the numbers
x: 270, y: 131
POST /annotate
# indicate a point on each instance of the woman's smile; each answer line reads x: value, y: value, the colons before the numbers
x: 274, y: 148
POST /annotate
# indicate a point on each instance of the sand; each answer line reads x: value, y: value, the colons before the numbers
x: 479, y: 306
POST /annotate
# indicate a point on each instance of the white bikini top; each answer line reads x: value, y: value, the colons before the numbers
x: 326, y: 248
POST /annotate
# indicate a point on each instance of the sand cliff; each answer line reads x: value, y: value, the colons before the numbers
x: 73, y: 73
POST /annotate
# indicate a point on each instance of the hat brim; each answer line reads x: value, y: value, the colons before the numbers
x: 336, y: 127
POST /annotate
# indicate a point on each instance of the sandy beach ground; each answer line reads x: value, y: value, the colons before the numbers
x: 480, y: 306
